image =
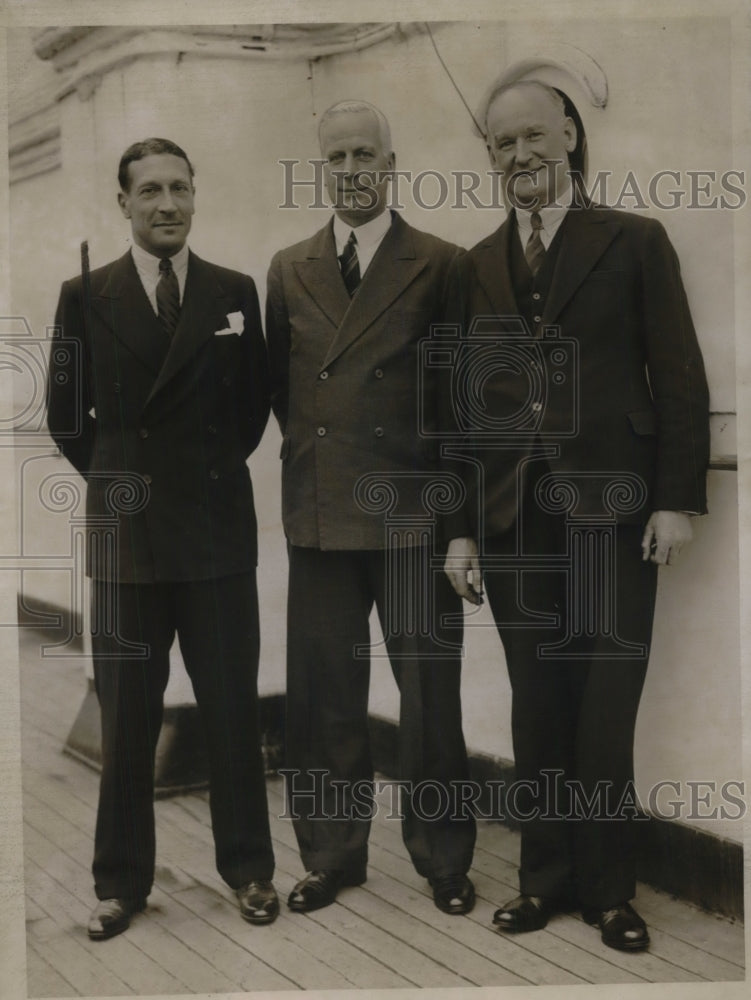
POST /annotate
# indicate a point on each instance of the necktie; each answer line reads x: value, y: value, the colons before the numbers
x: 350, y: 265
x: 167, y: 297
x: 535, y: 248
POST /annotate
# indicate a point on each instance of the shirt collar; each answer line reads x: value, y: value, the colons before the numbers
x: 551, y: 215
x: 368, y: 234
x: 148, y: 263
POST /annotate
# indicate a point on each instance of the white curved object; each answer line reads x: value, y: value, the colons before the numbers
x: 569, y: 59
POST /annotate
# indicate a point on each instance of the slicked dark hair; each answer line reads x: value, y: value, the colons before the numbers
x: 148, y: 147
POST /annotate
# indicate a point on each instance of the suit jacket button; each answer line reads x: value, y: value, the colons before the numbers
x: 536, y: 296
x: 213, y: 474
x: 379, y: 432
x: 143, y: 432
x: 537, y: 319
x: 323, y: 376
x: 378, y: 373
x: 321, y: 432
x: 537, y: 407
x: 147, y: 478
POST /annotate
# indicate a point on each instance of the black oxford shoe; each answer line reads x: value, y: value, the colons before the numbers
x: 620, y: 927
x: 259, y: 903
x: 453, y: 893
x: 112, y: 916
x: 525, y: 913
x: 319, y: 888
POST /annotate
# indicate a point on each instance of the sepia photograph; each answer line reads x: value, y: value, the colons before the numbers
x: 372, y: 440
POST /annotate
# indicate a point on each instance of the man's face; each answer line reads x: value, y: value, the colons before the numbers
x: 529, y: 142
x: 357, y: 166
x: 159, y: 203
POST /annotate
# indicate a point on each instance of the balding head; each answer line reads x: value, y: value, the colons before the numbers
x: 358, y: 108
x: 548, y: 93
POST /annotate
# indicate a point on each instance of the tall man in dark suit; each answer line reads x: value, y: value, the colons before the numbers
x: 580, y: 401
x: 170, y: 398
x: 346, y: 311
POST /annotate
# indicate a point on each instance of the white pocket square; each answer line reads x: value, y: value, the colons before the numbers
x: 235, y: 321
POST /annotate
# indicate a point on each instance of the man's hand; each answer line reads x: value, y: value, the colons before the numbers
x: 666, y: 533
x: 462, y: 562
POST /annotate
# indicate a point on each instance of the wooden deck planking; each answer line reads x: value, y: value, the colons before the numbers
x: 88, y: 976
x: 485, y: 959
x: 438, y: 953
x: 135, y: 969
x: 192, y: 816
x: 385, y: 934
x: 678, y: 921
x: 43, y: 979
x: 408, y: 901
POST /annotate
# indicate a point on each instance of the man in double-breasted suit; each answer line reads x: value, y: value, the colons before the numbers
x: 346, y: 311
x: 168, y: 393
x: 580, y: 405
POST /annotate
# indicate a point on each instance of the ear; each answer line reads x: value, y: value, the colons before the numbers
x: 123, y: 202
x: 569, y: 130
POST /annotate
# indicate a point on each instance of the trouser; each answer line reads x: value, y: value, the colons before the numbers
x: 576, y: 686
x: 216, y: 622
x: 331, y: 594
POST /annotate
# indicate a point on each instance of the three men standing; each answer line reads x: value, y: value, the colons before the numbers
x: 169, y: 392
x: 592, y: 422
x: 346, y: 310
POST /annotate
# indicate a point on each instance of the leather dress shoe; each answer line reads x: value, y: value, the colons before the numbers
x: 112, y: 916
x: 258, y: 900
x: 525, y: 913
x: 319, y: 888
x: 453, y: 893
x: 620, y: 927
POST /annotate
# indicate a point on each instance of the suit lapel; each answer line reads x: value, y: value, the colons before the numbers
x: 586, y: 236
x: 493, y: 267
x: 123, y: 306
x: 393, y: 268
x: 202, y: 308
x: 321, y: 276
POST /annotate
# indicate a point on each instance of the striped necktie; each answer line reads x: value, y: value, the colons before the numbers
x: 350, y: 265
x: 535, y: 248
x: 167, y: 297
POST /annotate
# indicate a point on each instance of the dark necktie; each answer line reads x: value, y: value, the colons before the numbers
x: 535, y: 248
x: 350, y: 265
x: 167, y: 296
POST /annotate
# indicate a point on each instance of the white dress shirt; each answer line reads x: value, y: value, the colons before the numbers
x: 147, y: 266
x: 551, y: 215
x: 369, y: 237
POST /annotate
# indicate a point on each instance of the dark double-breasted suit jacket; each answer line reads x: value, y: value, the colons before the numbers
x: 345, y: 381
x: 619, y: 384
x: 164, y: 428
